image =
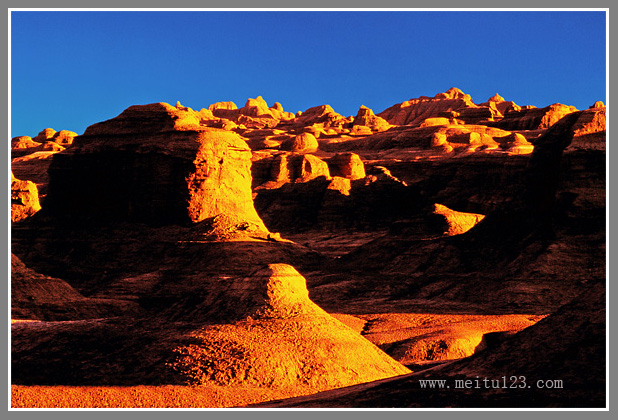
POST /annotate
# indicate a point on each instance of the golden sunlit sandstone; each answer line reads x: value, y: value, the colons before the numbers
x: 361, y: 130
x: 342, y: 185
x: 24, y: 199
x: 23, y: 142
x: 347, y: 165
x: 516, y: 143
x: 531, y: 118
x: 591, y: 120
x: 430, y: 122
x: 366, y: 117
x: 43, y: 136
x: 52, y: 146
x: 256, y: 108
x: 308, y: 167
x: 277, y: 337
x: 324, y: 115
x: 503, y: 106
x: 457, y: 222
x: 64, y: 137
x: 415, y: 111
x: 302, y: 143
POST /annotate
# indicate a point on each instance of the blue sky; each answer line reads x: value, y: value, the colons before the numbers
x: 72, y: 69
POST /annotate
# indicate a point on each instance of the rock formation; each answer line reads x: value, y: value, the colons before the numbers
x: 277, y: 337
x: 155, y: 164
x: 501, y: 104
x: 64, y: 137
x: 591, y: 120
x: 45, y: 135
x: 516, y: 143
x: 568, y: 346
x: 23, y: 142
x: 365, y: 117
x: 347, y: 165
x: 150, y: 244
x: 456, y: 222
x: 533, y: 118
x: 324, y: 115
x: 24, y: 199
x: 415, y: 111
x: 302, y: 143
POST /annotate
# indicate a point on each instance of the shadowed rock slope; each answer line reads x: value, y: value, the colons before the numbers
x: 520, y: 257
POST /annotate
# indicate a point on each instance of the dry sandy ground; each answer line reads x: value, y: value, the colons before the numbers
x: 168, y: 396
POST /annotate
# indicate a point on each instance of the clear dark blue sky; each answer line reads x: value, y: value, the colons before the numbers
x: 72, y: 69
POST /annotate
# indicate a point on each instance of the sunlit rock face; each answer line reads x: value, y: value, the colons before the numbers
x: 153, y: 164
x: 24, y: 199
x: 275, y: 336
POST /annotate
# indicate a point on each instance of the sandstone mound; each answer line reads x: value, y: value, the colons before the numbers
x: 23, y: 142
x: 45, y: 135
x: 530, y: 118
x: 430, y: 122
x: 415, y: 111
x: 365, y: 117
x: 279, y: 338
x: 46, y: 140
x: 24, y: 199
x: 323, y: 115
x: 64, y: 137
x: 296, y: 168
x: 52, y: 146
x: 456, y: 222
x: 516, y: 143
x: 503, y: 106
x: 153, y: 164
x: 302, y: 143
x: 347, y: 165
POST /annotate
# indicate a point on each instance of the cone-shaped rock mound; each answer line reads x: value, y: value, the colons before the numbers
x: 283, y: 340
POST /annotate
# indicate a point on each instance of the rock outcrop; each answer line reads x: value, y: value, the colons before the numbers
x: 45, y: 135
x: 533, y: 118
x: 365, y: 117
x: 288, y: 167
x: 46, y: 140
x: 323, y: 115
x: 503, y: 106
x: 24, y: 199
x: 64, y: 137
x: 276, y: 336
x: 591, y: 120
x: 456, y: 222
x: 415, y: 111
x: 302, y: 143
x: 516, y: 143
x: 23, y: 142
x: 347, y: 165
x: 153, y: 164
